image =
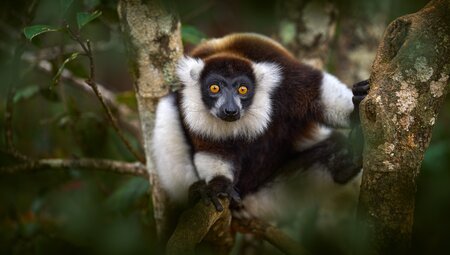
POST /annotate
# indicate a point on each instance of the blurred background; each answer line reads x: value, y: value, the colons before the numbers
x: 54, y: 116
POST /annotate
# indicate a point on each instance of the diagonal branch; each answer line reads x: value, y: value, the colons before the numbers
x: 91, y: 82
x: 123, y: 112
x: 113, y: 166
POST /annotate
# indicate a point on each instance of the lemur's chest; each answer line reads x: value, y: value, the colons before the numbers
x: 257, y: 161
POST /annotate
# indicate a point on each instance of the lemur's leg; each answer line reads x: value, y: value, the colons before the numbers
x: 171, y: 152
x: 335, y: 154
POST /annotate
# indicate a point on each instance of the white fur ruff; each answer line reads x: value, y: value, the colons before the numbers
x: 253, y: 122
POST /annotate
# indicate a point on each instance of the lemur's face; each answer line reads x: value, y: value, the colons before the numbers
x: 227, y: 87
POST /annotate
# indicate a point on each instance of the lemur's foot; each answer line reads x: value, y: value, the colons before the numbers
x: 219, y: 187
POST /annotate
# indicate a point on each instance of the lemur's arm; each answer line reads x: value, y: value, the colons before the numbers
x: 217, y: 176
x: 339, y: 106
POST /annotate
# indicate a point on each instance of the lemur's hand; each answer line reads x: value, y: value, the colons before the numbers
x: 218, y: 187
x: 360, y: 90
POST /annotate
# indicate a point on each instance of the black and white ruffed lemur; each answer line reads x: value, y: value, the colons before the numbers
x: 246, y: 106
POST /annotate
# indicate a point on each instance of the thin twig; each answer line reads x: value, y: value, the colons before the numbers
x: 119, y: 167
x: 14, y: 79
x: 122, y: 110
x: 9, y: 112
x: 91, y: 82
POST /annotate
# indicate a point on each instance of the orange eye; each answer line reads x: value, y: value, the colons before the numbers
x: 214, y: 88
x: 243, y: 90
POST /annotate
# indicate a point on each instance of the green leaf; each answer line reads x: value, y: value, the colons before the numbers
x: 65, y: 5
x: 61, y: 68
x: 84, y: 18
x: 26, y: 93
x: 32, y: 31
x: 191, y: 34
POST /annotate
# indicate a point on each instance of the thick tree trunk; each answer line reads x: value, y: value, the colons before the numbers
x: 154, y: 44
x: 409, y: 82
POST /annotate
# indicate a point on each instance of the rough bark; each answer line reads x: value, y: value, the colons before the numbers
x: 154, y: 44
x: 202, y: 222
x: 409, y: 82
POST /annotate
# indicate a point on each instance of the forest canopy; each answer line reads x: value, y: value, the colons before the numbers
x: 62, y: 63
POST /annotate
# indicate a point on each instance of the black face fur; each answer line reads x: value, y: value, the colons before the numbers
x: 229, y: 74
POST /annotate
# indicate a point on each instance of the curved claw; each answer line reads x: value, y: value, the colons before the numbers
x: 216, y: 202
x: 219, y: 187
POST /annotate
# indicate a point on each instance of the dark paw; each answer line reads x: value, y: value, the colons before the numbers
x: 219, y: 187
x: 360, y: 91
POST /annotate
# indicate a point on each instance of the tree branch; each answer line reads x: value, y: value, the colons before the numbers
x: 122, y: 111
x: 91, y: 82
x: 202, y: 222
x: 408, y: 86
x: 119, y: 167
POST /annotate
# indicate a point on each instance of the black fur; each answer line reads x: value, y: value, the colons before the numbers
x: 296, y: 112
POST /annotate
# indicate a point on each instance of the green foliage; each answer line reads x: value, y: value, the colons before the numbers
x: 26, y: 93
x: 191, y: 34
x: 65, y: 5
x: 57, y: 76
x: 90, y: 212
x: 83, y: 18
x: 33, y: 31
x: 127, y: 98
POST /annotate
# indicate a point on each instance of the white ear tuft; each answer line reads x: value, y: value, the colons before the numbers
x: 189, y: 69
x: 268, y: 75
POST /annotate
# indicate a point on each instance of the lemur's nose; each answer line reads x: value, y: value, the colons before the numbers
x: 231, y: 112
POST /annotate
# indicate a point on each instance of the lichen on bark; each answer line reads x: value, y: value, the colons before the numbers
x: 408, y: 83
x: 154, y: 46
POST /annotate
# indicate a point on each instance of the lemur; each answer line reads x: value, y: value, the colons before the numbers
x: 247, y: 106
